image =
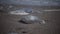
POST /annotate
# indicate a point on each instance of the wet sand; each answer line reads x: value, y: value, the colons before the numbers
x: 9, y: 23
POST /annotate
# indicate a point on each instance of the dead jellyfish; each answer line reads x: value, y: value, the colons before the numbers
x: 32, y: 20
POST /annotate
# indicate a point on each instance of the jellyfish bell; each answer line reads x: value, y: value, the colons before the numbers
x: 32, y: 20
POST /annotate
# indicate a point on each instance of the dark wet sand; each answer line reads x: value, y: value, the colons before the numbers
x: 9, y: 23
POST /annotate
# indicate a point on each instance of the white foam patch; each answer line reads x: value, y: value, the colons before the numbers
x: 18, y: 13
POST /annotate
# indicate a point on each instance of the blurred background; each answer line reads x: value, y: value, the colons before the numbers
x: 12, y: 12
